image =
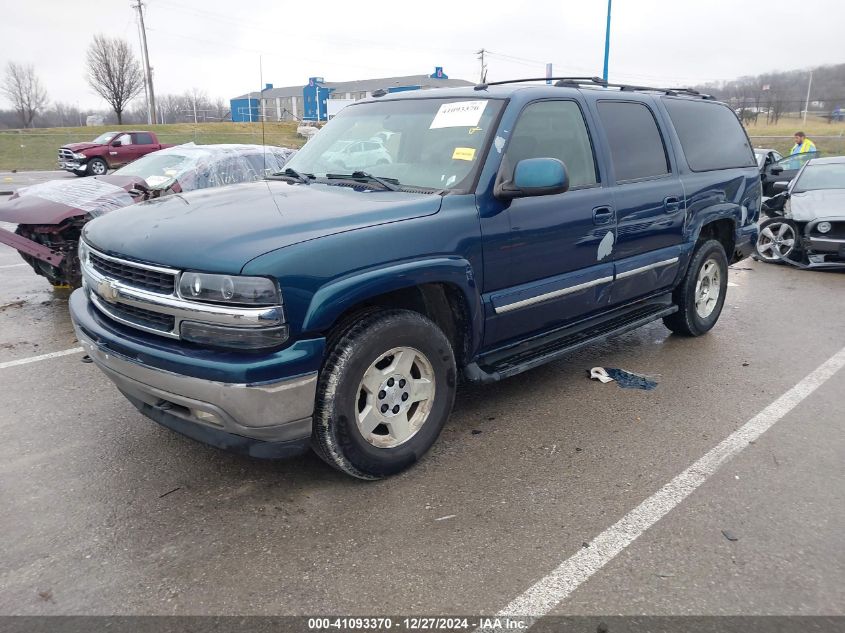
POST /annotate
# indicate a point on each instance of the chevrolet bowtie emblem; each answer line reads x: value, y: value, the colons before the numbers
x: 107, y: 291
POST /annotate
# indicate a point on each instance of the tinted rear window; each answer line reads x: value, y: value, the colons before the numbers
x: 711, y: 135
x: 636, y: 147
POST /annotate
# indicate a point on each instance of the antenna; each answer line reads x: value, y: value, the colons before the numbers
x: 260, y: 114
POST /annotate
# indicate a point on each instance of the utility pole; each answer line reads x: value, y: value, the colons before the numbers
x: 483, y: 78
x: 807, y: 101
x: 148, y: 73
x: 607, y: 41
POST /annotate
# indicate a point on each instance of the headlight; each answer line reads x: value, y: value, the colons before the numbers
x: 234, y: 289
x: 79, y: 156
x: 823, y: 227
x: 83, y: 252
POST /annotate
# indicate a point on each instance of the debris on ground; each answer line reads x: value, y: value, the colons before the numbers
x: 625, y: 379
x: 448, y: 516
x: 13, y: 304
x: 169, y: 492
x: 86, y: 359
x: 46, y: 596
x: 729, y: 535
x: 476, y: 431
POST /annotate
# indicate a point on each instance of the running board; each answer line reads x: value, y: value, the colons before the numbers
x: 522, y: 357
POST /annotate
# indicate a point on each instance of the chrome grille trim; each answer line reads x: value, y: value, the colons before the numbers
x: 169, y: 305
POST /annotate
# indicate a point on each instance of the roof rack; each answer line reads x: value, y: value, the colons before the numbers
x: 576, y: 82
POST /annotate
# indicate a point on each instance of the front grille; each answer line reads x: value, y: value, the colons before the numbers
x: 65, y: 154
x: 133, y: 275
x: 139, y: 316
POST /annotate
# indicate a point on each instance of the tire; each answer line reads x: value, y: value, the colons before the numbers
x: 97, y: 167
x: 698, y: 309
x: 779, y: 239
x: 362, y: 355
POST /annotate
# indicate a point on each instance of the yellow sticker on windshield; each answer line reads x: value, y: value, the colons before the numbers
x: 463, y: 153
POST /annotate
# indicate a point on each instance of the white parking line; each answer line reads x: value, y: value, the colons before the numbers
x: 13, y: 265
x: 35, y: 359
x: 542, y: 597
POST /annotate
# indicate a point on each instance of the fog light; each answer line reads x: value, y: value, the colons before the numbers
x: 234, y: 337
x: 823, y: 227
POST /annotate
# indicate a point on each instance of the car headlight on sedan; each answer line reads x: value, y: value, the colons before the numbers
x: 82, y: 250
x: 823, y: 227
x: 229, y: 289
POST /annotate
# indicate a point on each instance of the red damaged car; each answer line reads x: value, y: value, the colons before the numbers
x: 50, y: 216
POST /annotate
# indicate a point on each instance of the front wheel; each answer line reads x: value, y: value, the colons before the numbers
x: 384, y: 394
x: 778, y: 240
x: 701, y: 294
x: 97, y: 167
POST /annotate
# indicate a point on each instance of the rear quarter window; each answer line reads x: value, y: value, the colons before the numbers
x: 710, y: 134
x: 143, y: 138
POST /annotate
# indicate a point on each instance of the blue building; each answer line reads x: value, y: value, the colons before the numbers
x: 308, y: 102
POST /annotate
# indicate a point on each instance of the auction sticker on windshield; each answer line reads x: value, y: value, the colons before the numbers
x: 459, y: 114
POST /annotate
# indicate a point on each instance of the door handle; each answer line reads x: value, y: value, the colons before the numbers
x: 671, y: 204
x: 602, y: 215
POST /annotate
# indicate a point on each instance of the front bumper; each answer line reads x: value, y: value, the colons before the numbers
x: 264, y: 419
x: 72, y: 165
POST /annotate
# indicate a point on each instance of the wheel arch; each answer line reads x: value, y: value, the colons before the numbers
x: 444, y: 290
x: 721, y: 227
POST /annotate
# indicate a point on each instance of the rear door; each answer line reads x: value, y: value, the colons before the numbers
x: 648, y: 197
x: 558, y: 266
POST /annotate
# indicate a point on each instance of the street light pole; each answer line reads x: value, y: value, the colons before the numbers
x: 807, y: 102
x: 607, y: 41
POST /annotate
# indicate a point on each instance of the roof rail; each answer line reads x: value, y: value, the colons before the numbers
x: 575, y: 82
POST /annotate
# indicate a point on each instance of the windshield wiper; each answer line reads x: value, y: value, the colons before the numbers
x: 391, y: 184
x: 290, y: 172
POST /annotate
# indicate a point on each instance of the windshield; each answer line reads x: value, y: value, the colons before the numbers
x: 158, y: 170
x: 429, y: 143
x: 104, y: 138
x: 824, y: 176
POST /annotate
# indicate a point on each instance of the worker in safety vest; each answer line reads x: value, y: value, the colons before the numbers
x: 802, y: 146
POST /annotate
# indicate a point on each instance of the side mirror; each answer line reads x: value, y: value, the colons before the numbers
x: 116, y: 142
x: 534, y: 177
x: 776, y: 169
x: 780, y: 186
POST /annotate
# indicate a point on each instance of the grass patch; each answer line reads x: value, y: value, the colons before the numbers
x: 38, y: 148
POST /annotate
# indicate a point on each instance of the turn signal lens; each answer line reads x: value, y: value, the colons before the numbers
x: 234, y: 337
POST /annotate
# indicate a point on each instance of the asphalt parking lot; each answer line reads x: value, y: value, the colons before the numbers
x: 720, y: 492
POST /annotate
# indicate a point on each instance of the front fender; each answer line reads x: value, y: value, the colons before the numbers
x: 333, y: 299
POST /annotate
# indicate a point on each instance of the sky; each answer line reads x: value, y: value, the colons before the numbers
x: 219, y: 46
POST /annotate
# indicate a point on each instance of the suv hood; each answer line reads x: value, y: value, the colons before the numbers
x: 822, y: 203
x: 220, y: 230
x: 78, y: 147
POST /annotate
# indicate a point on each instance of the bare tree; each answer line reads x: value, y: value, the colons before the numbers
x: 114, y: 73
x: 24, y: 90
